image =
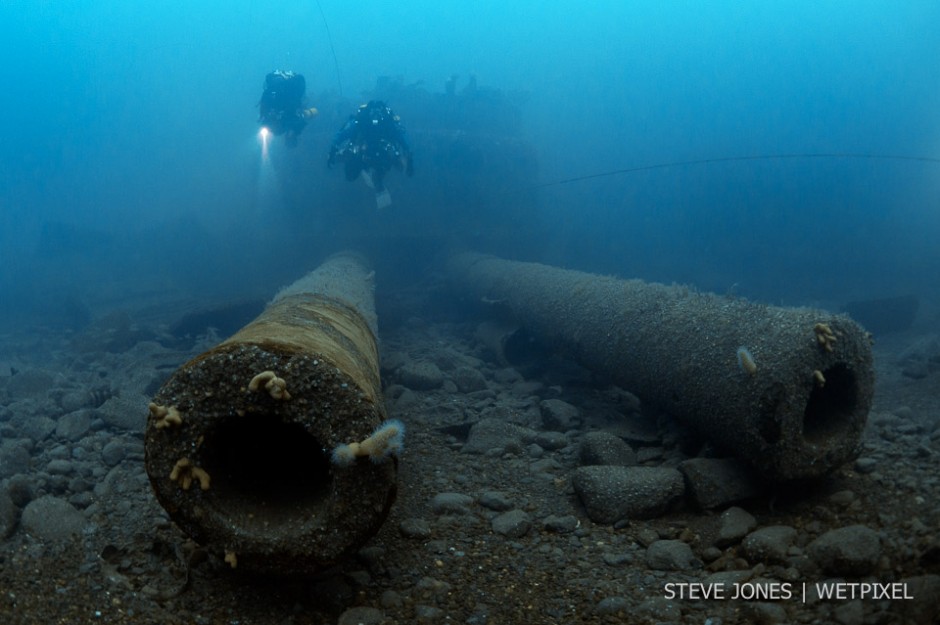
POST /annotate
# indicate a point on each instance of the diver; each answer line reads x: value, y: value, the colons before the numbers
x: 281, y: 107
x: 370, y: 143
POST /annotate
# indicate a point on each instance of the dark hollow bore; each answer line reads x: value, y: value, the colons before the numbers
x: 831, y: 407
x: 260, y: 462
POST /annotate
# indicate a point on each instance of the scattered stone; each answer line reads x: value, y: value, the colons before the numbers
x: 21, y: 489
x: 512, y: 524
x: 849, y: 613
x: 924, y: 608
x: 14, y: 458
x: 559, y: 415
x: 551, y: 440
x: 420, y: 376
x: 52, y: 519
x: 428, y: 613
x: 769, y: 544
x: 73, y: 401
x: 561, y: 524
x: 59, y: 467
x: 658, y: 610
x: 545, y: 465
x: 717, y: 482
x: 361, y: 615
x: 8, y: 514
x: 413, y: 527
x: 617, y: 559
x: 915, y: 369
x: 865, y: 465
x: 636, y: 430
x: 507, y: 376
x: 671, y: 555
x: 495, y: 500
x: 611, y: 493
x: 495, y: 436
x: 650, y: 455
x: 391, y: 599
x: 113, y: 453
x: 842, y: 498
x: 852, y: 550
x: 125, y: 413
x: 603, y: 448
x: 468, y: 379
x: 611, y: 606
x: 74, y: 425
x: 36, y: 428
x: 30, y: 383
x: 451, y: 503
x: 764, y: 613
x: 734, y: 524
x: 525, y: 388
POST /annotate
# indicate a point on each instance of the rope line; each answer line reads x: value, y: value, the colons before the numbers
x: 730, y: 159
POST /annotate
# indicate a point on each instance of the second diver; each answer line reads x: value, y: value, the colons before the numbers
x: 370, y: 144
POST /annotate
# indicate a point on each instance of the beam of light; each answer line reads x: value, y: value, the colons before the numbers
x: 264, y: 138
x: 266, y: 195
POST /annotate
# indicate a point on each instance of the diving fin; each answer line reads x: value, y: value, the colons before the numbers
x: 383, y: 199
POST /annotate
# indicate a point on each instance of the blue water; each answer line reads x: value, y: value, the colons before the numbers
x: 129, y: 151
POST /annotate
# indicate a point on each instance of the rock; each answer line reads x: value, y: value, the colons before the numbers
x: 512, y: 524
x: 611, y: 493
x: 769, y: 544
x: 451, y: 503
x: 361, y: 615
x: 468, y: 379
x: 494, y: 436
x: 865, y: 465
x: 671, y: 555
x: 764, y: 613
x: 606, y: 449
x: 113, y: 453
x: 559, y: 415
x: 52, y: 519
x: 59, y: 467
x: 915, y: 369
x: 413, y: 527
x: 657, y: 610
x: 428, y: 614
x: 14, y: 458
x: 733, y: 525
x: 8, y: 514
x: 561, y: 524
x: 21, y: 489
x: 75, y: 400
x: 851, y: 551
x: 924, y: 608
x: 636, y: 429
x: 507, y: 375
x: 495, y: 500
x: 125, y: 413
x: 74, y: 425
x: 551, y: 440
x: 849, y: 613
x: 30, y: 383
x: 717, y: 482
x: 525, y: 388
x: 420, y: 376
x: 612, y: 606
x: 37, y: 428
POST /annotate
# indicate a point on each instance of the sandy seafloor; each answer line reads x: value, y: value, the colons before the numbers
x: 498, y: 536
